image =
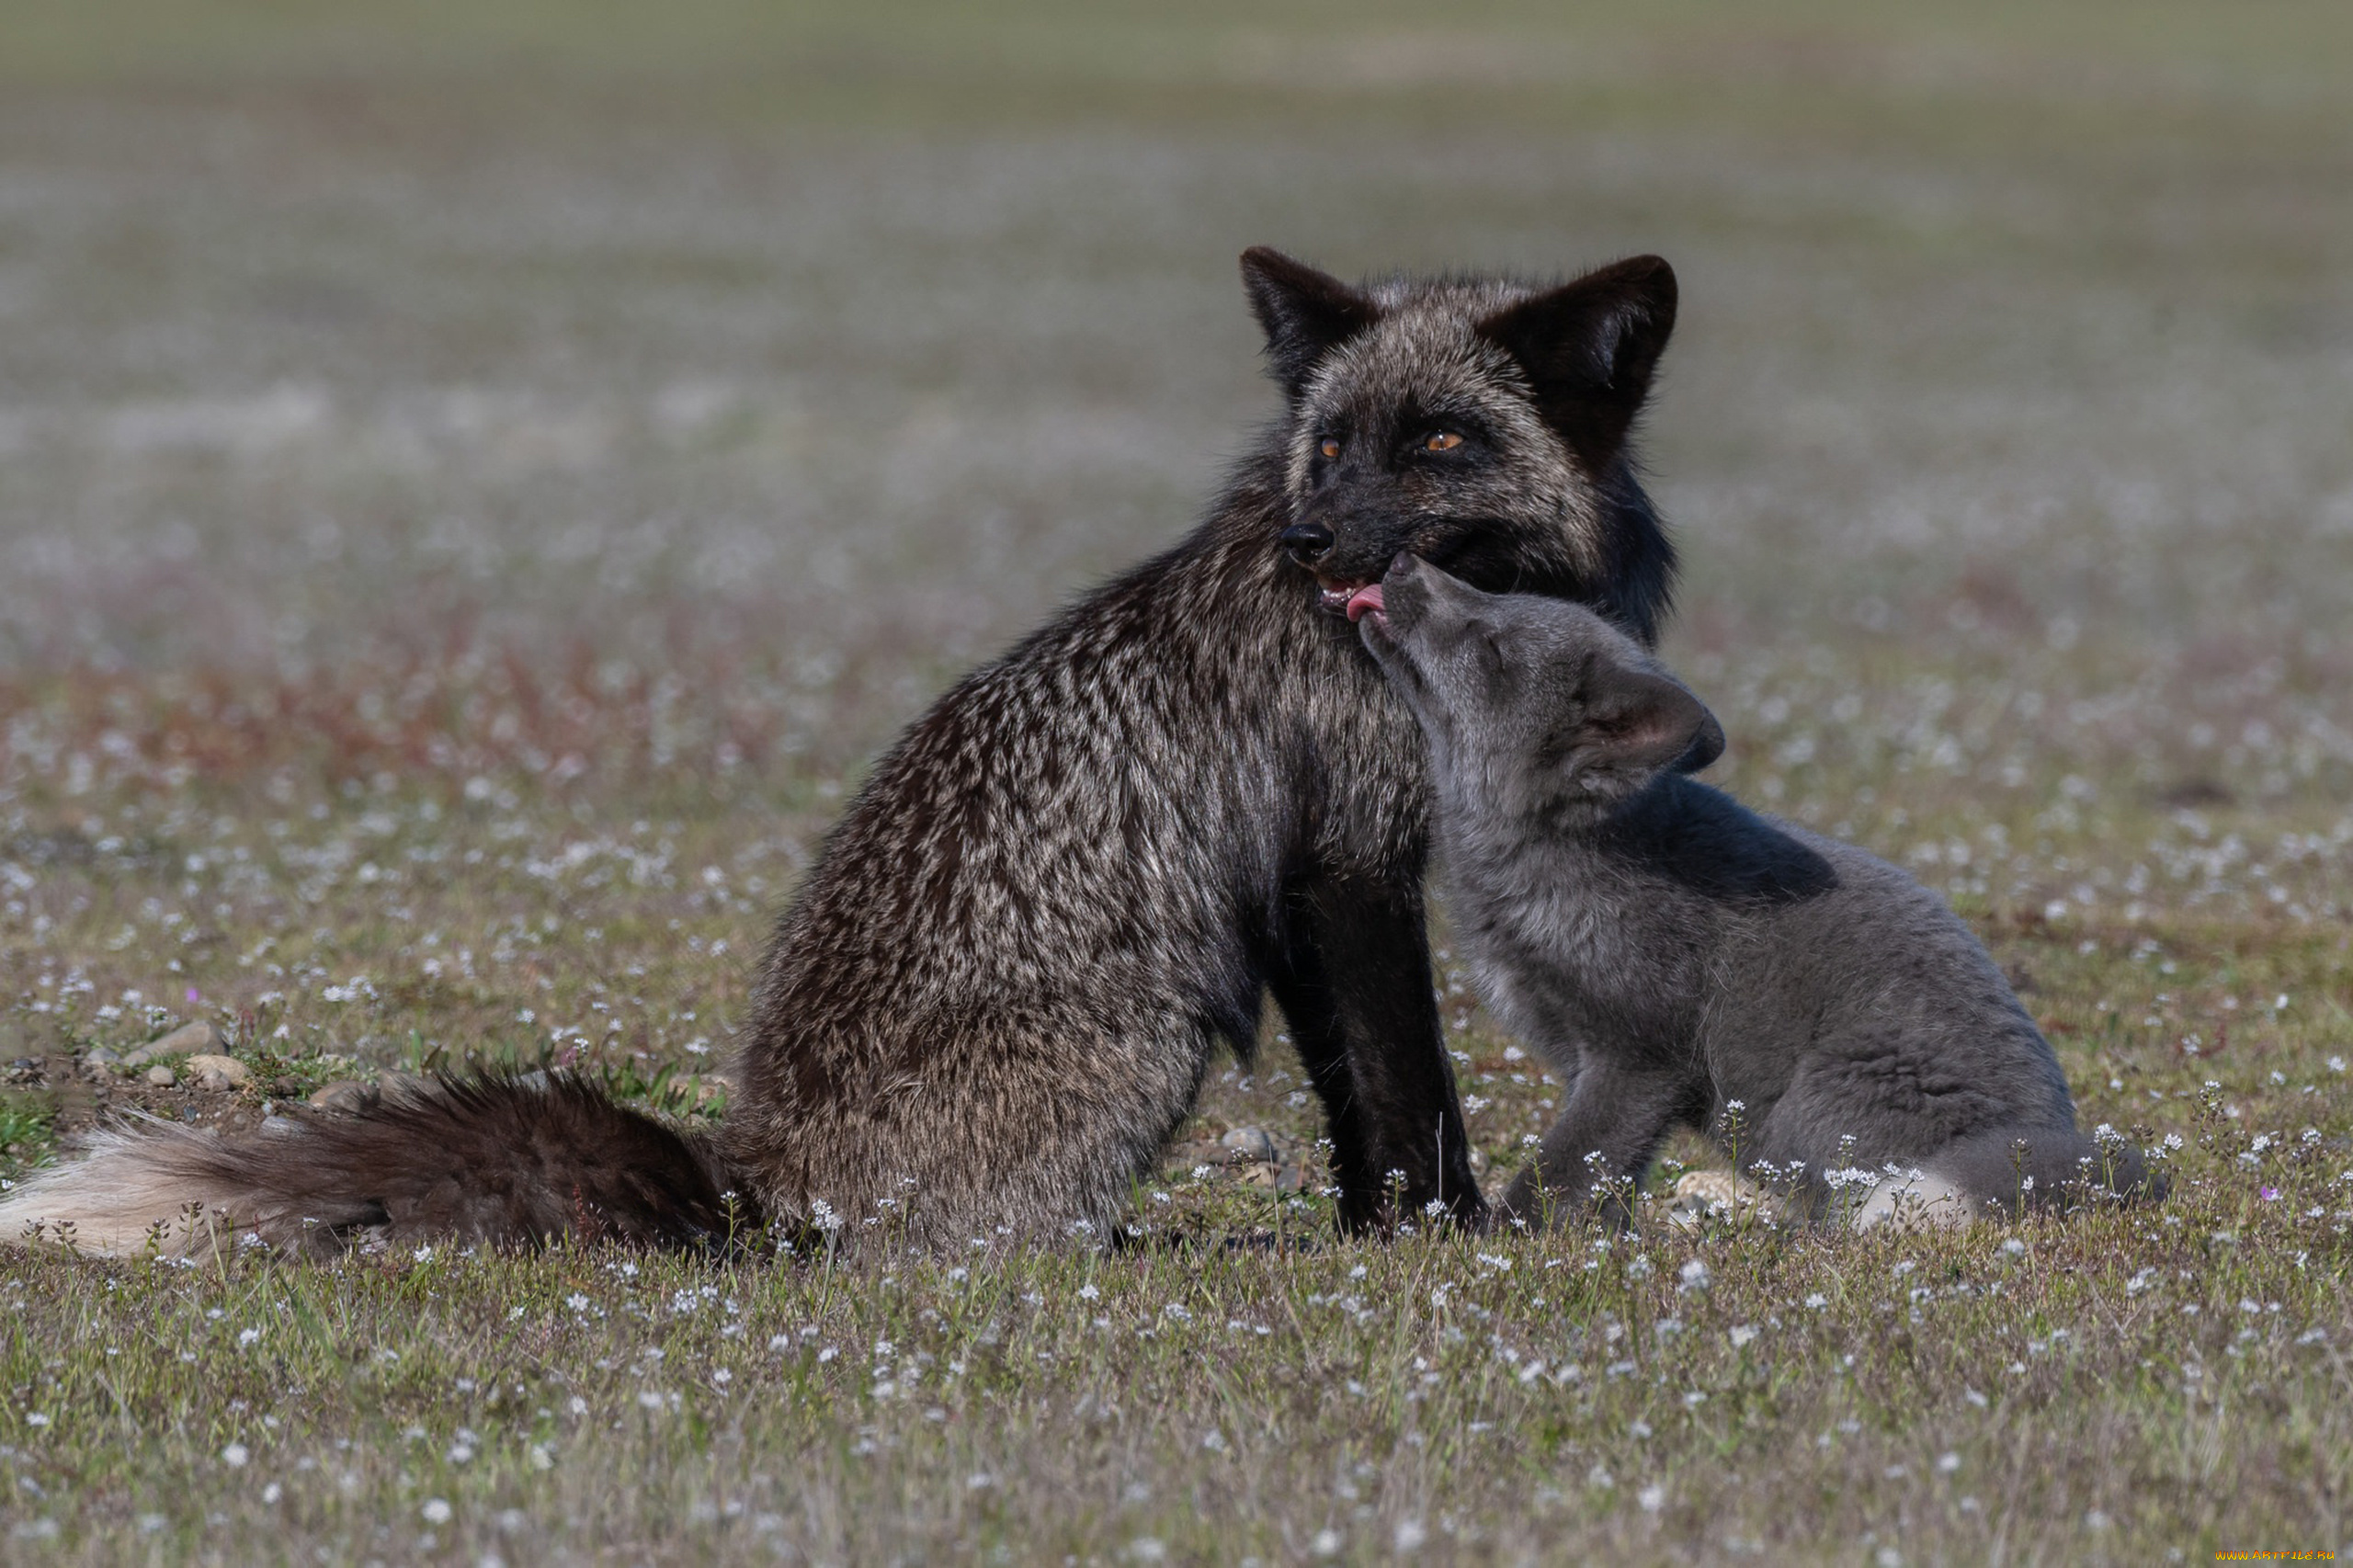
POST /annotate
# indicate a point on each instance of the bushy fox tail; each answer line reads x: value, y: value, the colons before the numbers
x: 503, y: 1162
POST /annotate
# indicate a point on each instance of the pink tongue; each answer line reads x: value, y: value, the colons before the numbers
x: 1365, y: 598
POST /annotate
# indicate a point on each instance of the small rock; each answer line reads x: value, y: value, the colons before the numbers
x: 232, y: 1073
x: 350, y: 1097
x: 162, y: 1077
x: 189, y: 1039
x: 1700, y: 1195
x: 402, y: 1086
x: 1250, y: 1143
x: 101, y: 1057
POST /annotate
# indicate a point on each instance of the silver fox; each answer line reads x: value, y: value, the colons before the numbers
x: 998, y: 991
x: 1680, y: 959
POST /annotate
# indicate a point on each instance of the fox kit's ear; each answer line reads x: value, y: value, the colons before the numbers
x: 1638, y: 722
x: 1306, y: 313
x: 1590, y: 347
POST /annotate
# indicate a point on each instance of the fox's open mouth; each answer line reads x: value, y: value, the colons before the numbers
x: 1336, y: 598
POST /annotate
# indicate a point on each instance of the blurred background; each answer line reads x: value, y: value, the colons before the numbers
x: 590, y: 392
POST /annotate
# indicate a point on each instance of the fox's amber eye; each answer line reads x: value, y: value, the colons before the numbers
x: 1331, y: 448
x: 1441, y: 441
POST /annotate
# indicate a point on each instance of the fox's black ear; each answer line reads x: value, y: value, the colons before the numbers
x: 1591, y: 346
x: 1306, y: 313
x: 1638, y: 722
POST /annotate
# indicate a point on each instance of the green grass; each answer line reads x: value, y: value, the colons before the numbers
x: 478, y: 484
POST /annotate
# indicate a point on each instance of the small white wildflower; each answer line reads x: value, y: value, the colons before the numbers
x: 1652, y: 1497
x: 1326, y: 1543
x: 1947, y: 1463
x: 248, y: 1337
x: 1087, y: 1293
x: 1816, y: 1301
x: 1742, y: 1335
x: 436, y: 1511
x: 1695, y: 1275
x: 235, y: 1456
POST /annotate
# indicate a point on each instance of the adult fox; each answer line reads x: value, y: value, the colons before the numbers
x: 997, y: 993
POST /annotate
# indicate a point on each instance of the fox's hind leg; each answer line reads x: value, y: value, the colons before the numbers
x: 2010, y: 1170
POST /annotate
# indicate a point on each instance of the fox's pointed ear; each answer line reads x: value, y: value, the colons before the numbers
x: 1590, y: 347
x: 1306, y: 313
x: 1640, y: 722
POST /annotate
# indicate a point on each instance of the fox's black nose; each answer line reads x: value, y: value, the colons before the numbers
x: 1308, y: 542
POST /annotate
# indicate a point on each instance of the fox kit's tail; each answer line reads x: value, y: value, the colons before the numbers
x: 504, y: 1162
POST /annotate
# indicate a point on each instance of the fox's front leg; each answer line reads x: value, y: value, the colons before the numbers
x: 1353, y: 980
x: 1596, y: 1153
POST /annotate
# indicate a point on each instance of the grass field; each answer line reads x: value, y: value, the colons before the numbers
x: 478, y: 482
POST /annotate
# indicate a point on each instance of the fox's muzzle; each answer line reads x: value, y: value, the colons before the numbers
x: 1307, y: 542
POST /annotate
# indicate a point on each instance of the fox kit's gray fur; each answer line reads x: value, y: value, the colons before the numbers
x: 998, y: 991
x: 1672, y: 952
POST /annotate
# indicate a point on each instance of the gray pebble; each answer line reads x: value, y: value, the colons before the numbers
x: 1252, y: 1144
x: 189, y: 1039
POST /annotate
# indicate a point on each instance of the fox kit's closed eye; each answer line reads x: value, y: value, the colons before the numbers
x: 1673, y: 953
